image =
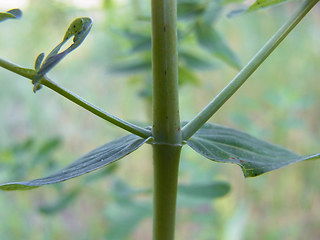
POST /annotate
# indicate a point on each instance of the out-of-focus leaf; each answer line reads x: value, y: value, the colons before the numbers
x: 195, y: 61
x: 61, y: 203
x: 95, y: 159
x: 125, y: 213
x: 205, y: 190
x: 187, y: 77
x: 257, y: 5
x: 79, y: 28
x: 132, y: 66
x: 254, y: 156
x: 143, y: 45
x: 13, y: 13
x: 212, y: 12
x: 190, y: 9
x: 211, y: 40
x: 45, y: 150
x: 140, y: 42
x: 236, y: 226
x: 124, y: 217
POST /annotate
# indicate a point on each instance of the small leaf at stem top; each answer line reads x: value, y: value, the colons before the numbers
x: 13, y: 13
x: 79, y: 28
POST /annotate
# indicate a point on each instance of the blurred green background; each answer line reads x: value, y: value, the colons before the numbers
x: 42, y: 132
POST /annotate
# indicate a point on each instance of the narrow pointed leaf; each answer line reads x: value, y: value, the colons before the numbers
x: 38, y: 61
x: 207, y: 190
x: 254, y: 156
x: 95, y: 159
x: 258, y: 4
x: 13, y: 13
x: 187, y: 77
x: 129, y: 67
x: 211, y: 40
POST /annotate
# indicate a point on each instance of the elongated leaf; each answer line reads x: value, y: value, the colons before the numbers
x: 79, y: 29
x: 132, y: 66
x: 60, y: 204
x: 254, y: 156
x: 190, y: 9
x: 258, y: 4
x: 124, y: 217
x: 13, y: 13
x: 207, y: 190
x: 95, y: 159
x: 210, y: 39
x: 196, y: 60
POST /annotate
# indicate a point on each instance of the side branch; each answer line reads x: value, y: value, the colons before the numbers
x: 195, y: 124
x: 30, y: 73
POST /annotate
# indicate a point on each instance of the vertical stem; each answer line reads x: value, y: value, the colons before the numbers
x: 166, y: 167
x: 166, y: 120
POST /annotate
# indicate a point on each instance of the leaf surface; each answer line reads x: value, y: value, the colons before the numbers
x: 211, y: 40
x: 13, y: 13
x: 205, y: 190
x: 93, y: 160
x: 254, y: 156
x: 258, y: 4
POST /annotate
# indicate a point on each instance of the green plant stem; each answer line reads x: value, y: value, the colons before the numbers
x: 201, y: 118
x: 166, y: 168
x: 166, y: 120
x: 30, y: 73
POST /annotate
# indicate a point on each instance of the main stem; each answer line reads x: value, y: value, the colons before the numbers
x: 166, y: 120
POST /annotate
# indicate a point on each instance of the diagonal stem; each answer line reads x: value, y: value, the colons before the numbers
x: 201, y: 118
x: 30, y: 73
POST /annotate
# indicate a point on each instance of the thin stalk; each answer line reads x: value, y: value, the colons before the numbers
x: 30, y: 73
x: 166, y: 119
x: 202, y: 117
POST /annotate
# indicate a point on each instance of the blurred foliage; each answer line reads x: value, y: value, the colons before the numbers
x: 196, y: 28
x: 277, y: 104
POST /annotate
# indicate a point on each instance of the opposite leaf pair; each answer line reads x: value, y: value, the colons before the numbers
x: 216, y: 142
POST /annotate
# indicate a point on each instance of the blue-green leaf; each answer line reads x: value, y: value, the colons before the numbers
x: 257, y: 5
x: 254, y: 156
x: 13, y: 13
x: 187, y: 77
x: 79, y: 29
x: 205, y: 190
x: 195, y: 60
x: 211, y: 40
x: 95, y: 159
x: 132, y: 66
x: 61, y: 203
x: 190, y: 9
